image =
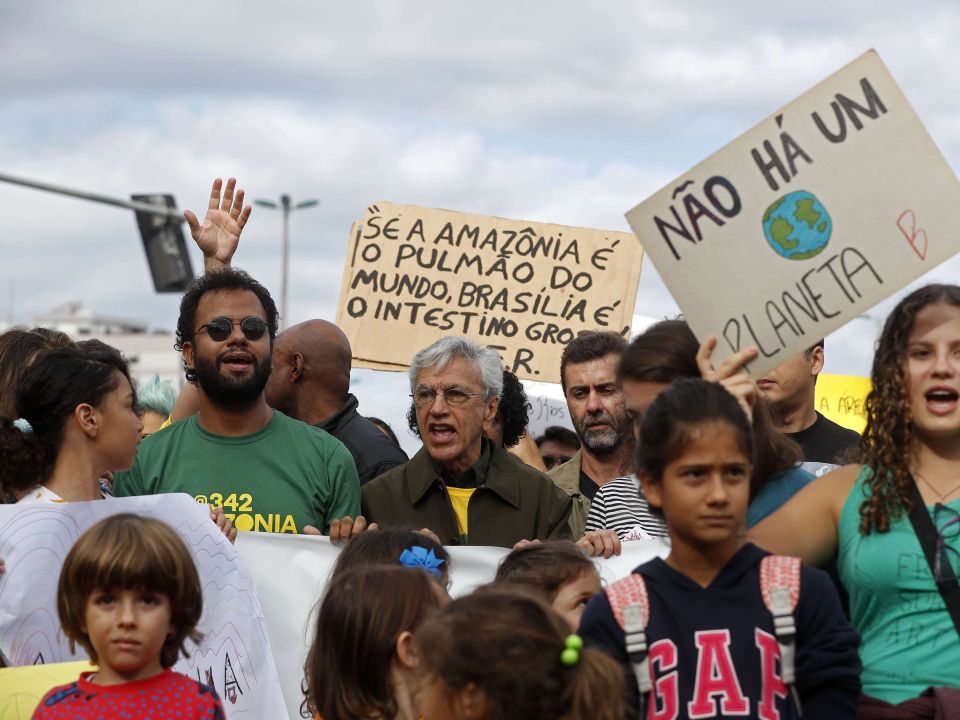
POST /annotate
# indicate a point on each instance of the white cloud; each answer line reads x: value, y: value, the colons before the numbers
x: 566, y: 112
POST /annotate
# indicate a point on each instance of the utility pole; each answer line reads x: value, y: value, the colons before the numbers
x: 286, y: 206
x: 159, y: 222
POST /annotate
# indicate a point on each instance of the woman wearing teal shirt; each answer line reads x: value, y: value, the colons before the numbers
x: 859, y: 513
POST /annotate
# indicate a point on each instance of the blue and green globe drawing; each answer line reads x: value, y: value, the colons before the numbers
x: 797, y: 225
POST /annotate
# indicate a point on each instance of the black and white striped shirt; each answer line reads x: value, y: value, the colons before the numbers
x: 619, y: 505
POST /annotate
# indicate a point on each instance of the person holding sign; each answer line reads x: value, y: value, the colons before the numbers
x: 789, y: 390
x: 460, y: 485
x: 894, y: 521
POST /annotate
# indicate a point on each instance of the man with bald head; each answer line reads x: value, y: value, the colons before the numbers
x: 311, y: 382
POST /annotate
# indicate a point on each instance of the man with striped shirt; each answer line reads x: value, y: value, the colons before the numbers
x: 588, y: 375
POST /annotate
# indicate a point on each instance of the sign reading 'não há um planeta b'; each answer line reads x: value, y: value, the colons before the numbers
x: 806, y: 220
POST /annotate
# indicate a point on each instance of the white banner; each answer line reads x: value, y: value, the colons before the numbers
x: 291, y: 572
x: 240, y: 625
x: 234, y: 655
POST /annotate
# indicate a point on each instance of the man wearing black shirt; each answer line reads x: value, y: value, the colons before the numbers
x: 789, y: 389
x: 311, y: 382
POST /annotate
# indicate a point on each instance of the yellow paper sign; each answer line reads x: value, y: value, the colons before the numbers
x: 22, y: 688
x: 843, y: 399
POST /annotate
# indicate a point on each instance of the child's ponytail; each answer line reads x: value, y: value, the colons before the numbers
x: 596, y: 688
x: 23, y: 460
x: 517, y: 651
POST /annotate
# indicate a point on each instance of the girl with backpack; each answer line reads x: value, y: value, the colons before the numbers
x: 719, y: 628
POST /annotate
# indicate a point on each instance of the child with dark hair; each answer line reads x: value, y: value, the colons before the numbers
x: 363, y: 660
x: 557, y: 571
x: 504, y: 653
x: 719, y: 628
x: 130, y: 595
x: 393, y: 546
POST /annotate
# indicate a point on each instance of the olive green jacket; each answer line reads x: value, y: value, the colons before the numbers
x: 516, y: 502
x: 567, y: 478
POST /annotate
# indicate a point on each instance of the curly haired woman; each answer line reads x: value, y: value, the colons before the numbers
x: 860, y: 512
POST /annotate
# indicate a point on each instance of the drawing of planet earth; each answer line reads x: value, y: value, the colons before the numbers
x: 797, y: 225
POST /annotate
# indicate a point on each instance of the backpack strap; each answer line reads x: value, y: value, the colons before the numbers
x: 780, y: 587
x: 631, y: 609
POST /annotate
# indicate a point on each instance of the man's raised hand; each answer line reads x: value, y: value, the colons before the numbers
x: 219, y: 235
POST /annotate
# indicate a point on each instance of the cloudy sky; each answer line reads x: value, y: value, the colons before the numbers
x: 565, y: 112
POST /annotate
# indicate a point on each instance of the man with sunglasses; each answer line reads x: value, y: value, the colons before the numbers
x: 463, y: 487
x: 557, y: 445
x: 268, y: 471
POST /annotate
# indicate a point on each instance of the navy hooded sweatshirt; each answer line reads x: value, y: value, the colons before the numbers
x: 713, y: 651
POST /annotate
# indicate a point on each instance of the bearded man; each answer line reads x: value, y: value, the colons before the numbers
x: 588, y: 375
x: 267, y: 471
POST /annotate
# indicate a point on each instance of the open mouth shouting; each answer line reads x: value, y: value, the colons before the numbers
x: 941, y: 400
x: 441, y: 433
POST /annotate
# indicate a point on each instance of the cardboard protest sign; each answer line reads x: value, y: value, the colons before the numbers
x: 806, y: 220
x: 843, y: 399
x: 234, y: 655
x: 413, y: 275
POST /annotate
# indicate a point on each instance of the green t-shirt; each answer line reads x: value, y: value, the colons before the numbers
x: 279, y: 479
x: 908, y: 640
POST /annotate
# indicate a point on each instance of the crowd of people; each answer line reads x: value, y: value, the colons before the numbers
x: 750, y: 486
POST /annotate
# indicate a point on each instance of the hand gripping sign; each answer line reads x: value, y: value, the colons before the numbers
x: 806, y: 220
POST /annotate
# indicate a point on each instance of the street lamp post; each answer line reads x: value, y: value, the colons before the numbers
x: 287, y: 207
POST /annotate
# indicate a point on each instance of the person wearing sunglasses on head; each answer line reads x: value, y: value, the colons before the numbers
x: 268, y: 471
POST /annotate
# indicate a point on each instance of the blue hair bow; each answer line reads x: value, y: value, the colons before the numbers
x: 420, y: 557
x: 22, y: 425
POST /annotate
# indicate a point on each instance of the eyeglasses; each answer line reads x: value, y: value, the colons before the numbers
x: 425, y: 397
x: 947, y: 521
x: 220, y: 328
x: 551, y: 461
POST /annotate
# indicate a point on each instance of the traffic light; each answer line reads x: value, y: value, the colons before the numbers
x: 165, y: 246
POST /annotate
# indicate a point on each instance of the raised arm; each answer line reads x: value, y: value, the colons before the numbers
x: 731, y: 373
x: 217, y: 239
x: 219, y: 234
x: 806, y: 525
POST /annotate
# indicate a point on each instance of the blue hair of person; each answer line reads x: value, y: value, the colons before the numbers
x: 157, y: 396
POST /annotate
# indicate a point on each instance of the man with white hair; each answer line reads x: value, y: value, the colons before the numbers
x: 460, y: 485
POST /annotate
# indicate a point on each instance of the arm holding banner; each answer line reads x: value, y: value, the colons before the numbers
x: 343, y: 529
x: 600, y: 543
